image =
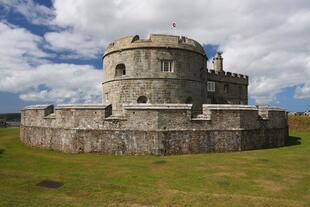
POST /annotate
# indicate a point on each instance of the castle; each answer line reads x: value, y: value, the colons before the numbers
x: 159, y: 98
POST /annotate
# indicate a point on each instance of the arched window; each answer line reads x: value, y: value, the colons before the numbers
x: 189, y: 100
x: 120, y: 69
x: 142, y: 99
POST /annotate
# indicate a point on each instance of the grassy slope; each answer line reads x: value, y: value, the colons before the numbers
x: 299, y: 123
x: 272, y: 177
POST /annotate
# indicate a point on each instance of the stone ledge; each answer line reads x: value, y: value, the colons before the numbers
x: 202, y: 117
x: 153, y: 78
x: 157, y: 130
x: 115, y: 118
x: 50, y: 116
x: 228, y: 107
x: 35, y: 107
x: 81, y: 106
x: 269, y: 108
x: 157, y: 106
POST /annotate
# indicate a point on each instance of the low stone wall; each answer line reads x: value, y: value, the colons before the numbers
x: 161, y: 129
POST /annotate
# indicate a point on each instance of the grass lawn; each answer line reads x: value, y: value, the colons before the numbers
x: 270, y: 177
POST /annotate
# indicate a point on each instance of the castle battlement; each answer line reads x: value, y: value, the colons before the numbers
x: 85, y: 113
x: 227, y: 77
x: 227, y: 74
x: 155, y: 41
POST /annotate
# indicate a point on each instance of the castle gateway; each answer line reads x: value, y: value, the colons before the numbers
x: 159, y: 98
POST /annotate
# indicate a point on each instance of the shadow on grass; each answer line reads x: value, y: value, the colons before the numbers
x: 158, y: 162
x: 293, y: 141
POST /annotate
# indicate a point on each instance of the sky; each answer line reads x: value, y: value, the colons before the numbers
x: 50, y: 50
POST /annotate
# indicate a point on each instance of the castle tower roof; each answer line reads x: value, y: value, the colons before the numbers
x: 155, y: 41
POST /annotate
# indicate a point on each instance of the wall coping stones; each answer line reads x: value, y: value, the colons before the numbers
x: 81, y: 106
x: 36, y: 107
x: 115, y: 118
x: 228, y: 107
x: 147, y: 106
x: 269, y: 108
x: 202, y: 117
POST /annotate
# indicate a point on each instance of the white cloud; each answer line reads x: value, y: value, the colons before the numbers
x: 268, y: 40
x: 19, y: 42
x: 303, y: 92
x: 34, y: 13
x: 81, y: 46
x: 25, y: 70
x: 62, y: 83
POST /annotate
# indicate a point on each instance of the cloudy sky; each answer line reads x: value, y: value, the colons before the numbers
x: 50, y: 51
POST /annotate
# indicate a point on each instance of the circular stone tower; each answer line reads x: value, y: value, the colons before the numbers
x: 158, y: 70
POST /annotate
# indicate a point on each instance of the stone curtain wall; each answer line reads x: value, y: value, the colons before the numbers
x: 157, y: 129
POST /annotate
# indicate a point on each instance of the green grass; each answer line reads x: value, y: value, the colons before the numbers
x: 270, y: 177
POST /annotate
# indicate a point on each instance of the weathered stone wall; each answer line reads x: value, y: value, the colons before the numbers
x: 143, y: 75
x: 237, y: 84
x: 158, y: 129
x: 158, y: 91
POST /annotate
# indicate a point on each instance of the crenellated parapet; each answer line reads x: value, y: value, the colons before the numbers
x: 228, y: 77
x: 158, y: 129
x: 65, y: 116
x: 155, y: 41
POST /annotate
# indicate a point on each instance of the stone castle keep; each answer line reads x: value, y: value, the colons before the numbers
x: 159, y: 98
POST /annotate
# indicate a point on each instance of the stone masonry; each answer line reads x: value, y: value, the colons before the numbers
x: 159, y: 98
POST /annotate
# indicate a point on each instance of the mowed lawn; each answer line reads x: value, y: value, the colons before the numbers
x: 269, y: 177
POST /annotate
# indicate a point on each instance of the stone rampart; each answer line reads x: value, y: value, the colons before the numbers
x: 157, y: 129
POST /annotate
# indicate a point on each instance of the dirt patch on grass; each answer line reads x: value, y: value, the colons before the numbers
x: 269, y: 185
x: 231, y: 174
x: 130, y: 205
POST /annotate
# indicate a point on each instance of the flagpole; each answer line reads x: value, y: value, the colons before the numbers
x: 174, y: 28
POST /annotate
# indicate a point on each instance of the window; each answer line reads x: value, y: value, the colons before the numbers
x: 211, y: 86
x: 167, y: 66
x: 142, y: 99
x: 120, y: 69
x: 226, y: 88
x: 106, y: 95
